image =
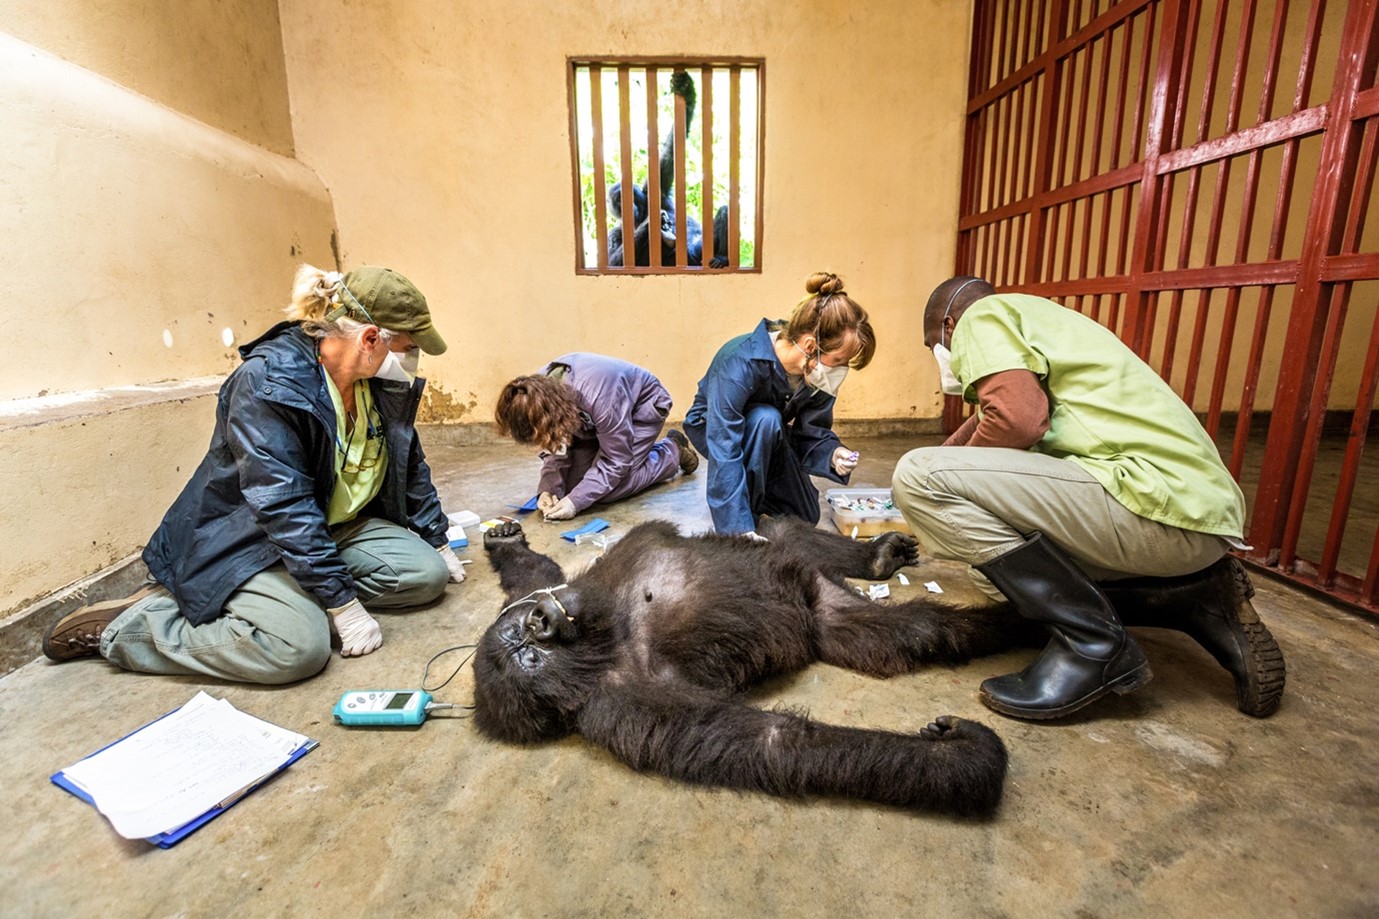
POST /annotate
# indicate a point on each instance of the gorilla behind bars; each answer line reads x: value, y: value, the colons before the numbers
x: 649, y: 651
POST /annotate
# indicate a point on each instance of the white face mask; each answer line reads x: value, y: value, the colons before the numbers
x: 400, y: 367
x: 947, y: 382
x: 829, y: 379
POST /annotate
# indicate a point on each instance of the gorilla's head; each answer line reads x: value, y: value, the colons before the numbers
x: 535, y: 666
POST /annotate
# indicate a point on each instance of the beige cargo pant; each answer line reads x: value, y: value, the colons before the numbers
x: 973, y: 504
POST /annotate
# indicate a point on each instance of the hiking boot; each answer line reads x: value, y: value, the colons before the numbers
x: 689, y: 460
x: 1213, y: 606
x: 78, y: 634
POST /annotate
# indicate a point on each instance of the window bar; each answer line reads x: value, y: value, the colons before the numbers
x: 760, y: 165
x: 680, y: 215
x: 1122, y: 87
x: 734, y: 156
x: 628, y: 192
x: 653, y: 167
x: 1008, y: 38
x: 600, y: 186
x: 706, y: 188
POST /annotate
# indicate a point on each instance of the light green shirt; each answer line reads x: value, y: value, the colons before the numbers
x: 361, y: 456
x: 1109, y: 412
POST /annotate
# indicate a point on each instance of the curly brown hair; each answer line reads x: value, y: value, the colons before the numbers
x: 830, y: 312
x: 537, y: 410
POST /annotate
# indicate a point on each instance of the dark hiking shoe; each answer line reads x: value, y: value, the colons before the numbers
x: 78, y: 634
x: 1213, y: 606
x: 689, y: 460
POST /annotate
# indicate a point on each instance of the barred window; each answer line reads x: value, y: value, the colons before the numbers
x: 686, y: 133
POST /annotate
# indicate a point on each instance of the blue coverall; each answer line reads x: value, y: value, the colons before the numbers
x: 763, y: 438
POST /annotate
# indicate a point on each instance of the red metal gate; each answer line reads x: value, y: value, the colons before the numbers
x: 1196, y: 175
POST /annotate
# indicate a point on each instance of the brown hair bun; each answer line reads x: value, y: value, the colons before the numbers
x: 823, y: 283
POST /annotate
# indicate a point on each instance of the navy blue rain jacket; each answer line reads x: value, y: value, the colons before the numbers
x: 745, y: 372
x: 260, y: 495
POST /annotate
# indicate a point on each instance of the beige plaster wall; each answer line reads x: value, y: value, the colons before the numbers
x: 141, y: 245
x: 443, y: 139
x: 219, y: 61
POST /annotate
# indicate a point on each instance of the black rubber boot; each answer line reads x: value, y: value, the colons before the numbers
x: 1213, y: 606
x: 1089, y: 654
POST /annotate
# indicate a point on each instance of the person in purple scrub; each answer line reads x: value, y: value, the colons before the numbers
x: 596, y: 422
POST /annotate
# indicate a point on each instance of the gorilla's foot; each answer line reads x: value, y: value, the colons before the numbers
x: 890, y: 552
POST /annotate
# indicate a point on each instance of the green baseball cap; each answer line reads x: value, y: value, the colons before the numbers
x: 382, y: 297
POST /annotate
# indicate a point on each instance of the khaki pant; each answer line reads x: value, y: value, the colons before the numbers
x: 973, y: 504
x: 273, y: 631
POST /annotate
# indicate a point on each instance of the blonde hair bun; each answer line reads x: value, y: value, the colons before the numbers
x: 823, y: 282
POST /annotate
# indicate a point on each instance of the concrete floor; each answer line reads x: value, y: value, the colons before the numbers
x: 1165, y: 802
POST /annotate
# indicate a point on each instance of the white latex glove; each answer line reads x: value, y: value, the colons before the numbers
x: 754, y: 535
x: 453, y: 564
x: 359, y: 632
x: 844, y: 461
x: 545, y: 501
x: 563, y: 509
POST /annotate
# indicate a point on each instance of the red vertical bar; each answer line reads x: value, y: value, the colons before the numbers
x: 1355, y: 446
x: 1308, y: 61
x: 1168, y: 77
x: 1050, y: 78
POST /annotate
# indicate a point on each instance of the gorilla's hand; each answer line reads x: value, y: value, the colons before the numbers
x: 890, y: 552
x: 504, y: 534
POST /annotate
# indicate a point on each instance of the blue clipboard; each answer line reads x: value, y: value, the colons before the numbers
x: 174, y: 836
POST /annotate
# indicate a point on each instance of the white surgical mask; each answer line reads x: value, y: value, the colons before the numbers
x: 400, y: 367
x: 947, y: 382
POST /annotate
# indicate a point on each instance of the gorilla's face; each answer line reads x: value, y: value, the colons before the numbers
x: 530, y: 671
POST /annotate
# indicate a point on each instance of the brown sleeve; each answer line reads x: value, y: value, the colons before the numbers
x: 963, y: 434
x: 1015, y: 411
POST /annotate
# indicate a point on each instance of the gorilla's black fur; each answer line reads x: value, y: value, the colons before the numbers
x: 649, y: 650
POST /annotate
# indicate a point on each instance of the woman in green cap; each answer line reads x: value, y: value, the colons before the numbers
x: 314, y: 500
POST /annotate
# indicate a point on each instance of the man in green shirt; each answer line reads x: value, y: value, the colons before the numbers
x: 1098, y: 502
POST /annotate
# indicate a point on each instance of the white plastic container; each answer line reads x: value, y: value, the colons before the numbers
x: 870, y: 510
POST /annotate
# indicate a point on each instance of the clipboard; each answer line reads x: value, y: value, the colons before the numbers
x: 169, y: 838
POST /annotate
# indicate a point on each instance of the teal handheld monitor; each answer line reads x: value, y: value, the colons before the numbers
x: 383, y: 707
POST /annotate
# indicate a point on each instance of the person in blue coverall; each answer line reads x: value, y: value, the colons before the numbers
x: 763, y: 413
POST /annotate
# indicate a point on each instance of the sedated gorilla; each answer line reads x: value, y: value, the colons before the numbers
x: 648, y: 653
x: 681, y: 84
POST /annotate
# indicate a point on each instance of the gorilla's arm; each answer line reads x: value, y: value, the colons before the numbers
x: 720, y: 238
x: 834, y: 555
x: 520, y: 570
x: 953, y: 765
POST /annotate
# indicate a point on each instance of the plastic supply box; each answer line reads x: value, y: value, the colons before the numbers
x: 870, y: 510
